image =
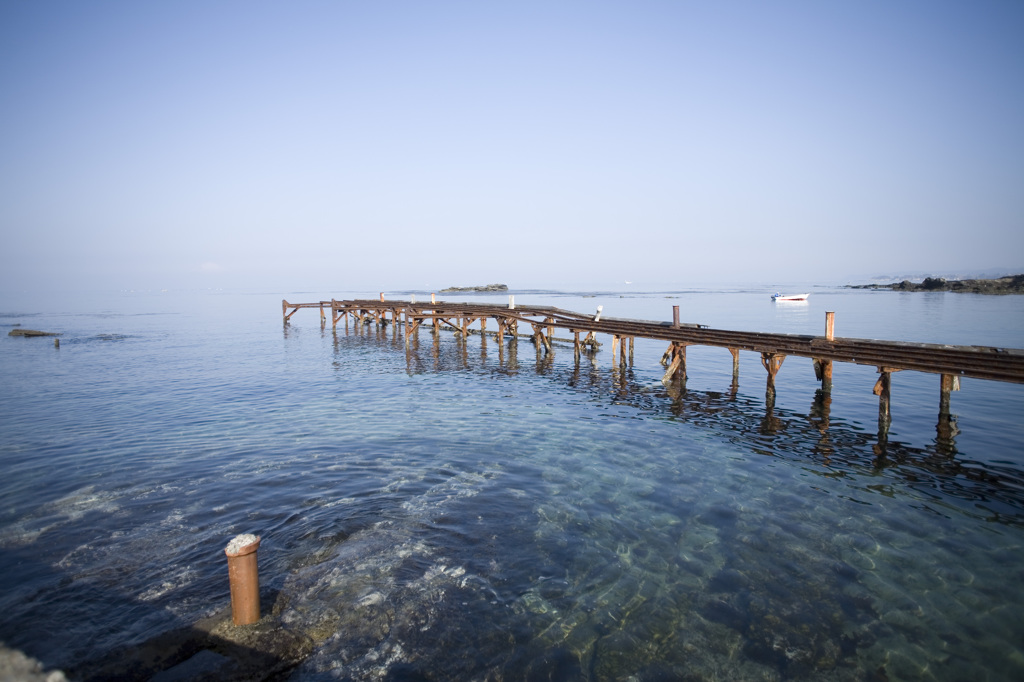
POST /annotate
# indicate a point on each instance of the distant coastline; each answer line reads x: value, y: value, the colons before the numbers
x: 1011, y: 284
x: 485, y: 287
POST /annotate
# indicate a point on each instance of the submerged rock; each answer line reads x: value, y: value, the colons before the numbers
x: 30, y: 332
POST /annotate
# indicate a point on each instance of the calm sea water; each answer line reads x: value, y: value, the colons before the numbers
x: 455, y: 511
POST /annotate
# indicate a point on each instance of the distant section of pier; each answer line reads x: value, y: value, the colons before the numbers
x: 949, y: 362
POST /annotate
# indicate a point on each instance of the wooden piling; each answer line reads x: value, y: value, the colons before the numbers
x: 772, y: 363
x: 882, y: 390
x: 677, y: 367
x: 822, y: 366
x: 946, y: 426
x: 947, y: 383
x: 735, y: 361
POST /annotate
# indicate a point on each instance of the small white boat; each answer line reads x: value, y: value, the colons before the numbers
x: 789, y: 297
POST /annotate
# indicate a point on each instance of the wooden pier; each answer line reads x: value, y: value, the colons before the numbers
x: 540, y: 322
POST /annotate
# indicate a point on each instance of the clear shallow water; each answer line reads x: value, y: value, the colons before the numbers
x: 461, y: 512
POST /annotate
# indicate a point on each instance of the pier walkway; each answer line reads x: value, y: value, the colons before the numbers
x: 949, y: 362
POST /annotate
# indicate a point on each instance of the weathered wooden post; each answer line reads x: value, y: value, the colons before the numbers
x: 772, y: 363
x: 882, y: 390
x: 823, y: 368
x: 948, y: 382
x: 576, y: 345
x: 677, y: 368
x: 284, y: 310
x: 946, y: 427
x: 675, y: 317
x: 735, y: 362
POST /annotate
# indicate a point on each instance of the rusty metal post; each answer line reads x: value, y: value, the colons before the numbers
x: 243, y: 575
x: 675, y: 317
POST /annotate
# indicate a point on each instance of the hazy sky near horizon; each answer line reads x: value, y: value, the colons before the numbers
x: 386, y: 145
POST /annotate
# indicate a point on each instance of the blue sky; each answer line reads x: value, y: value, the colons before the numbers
x: 387, y: 145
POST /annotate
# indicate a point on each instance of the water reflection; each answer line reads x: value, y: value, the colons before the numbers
x: 936, y: 471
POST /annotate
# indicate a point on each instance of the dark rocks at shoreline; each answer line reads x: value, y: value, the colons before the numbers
x: 485, y: 287
x: 1011, y: 284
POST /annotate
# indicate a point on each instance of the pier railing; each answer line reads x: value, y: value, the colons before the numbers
x: 949, y: 362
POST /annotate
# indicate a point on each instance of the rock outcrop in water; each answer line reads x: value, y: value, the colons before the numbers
x: 30, y: 332
x: 1011, y: 284
x: 485, y: 287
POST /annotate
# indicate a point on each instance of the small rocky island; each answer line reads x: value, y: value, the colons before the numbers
x: 485, y: 287
x: 1011, y: 284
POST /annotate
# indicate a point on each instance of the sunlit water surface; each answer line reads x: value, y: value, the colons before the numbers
x: 454, y: 511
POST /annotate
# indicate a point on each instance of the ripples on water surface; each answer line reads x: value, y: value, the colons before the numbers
x: 454, y: 512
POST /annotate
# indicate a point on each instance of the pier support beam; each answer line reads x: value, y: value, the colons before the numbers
x: 822, y: 367
x: 735, y: 362
x: 946, y: 427
x: 677, y: 367
x: 772, y: 363
x: 621, y: 342
x: 882, y: 390
x: 539, y: 339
